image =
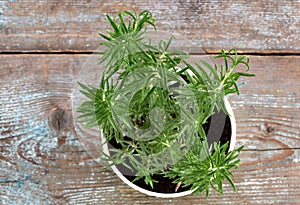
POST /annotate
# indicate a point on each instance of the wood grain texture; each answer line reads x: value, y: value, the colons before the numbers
x: 70, y: 25
x: 43, y: 160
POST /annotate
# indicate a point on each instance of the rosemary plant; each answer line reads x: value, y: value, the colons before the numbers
x: 151, y: 104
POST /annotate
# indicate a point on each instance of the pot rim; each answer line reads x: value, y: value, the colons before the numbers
x: 184, y: 193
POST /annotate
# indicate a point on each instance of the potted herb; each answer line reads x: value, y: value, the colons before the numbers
x: 159, y: 114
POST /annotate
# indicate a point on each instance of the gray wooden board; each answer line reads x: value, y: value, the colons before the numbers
x: 44, y: 162
x: 199, y: 26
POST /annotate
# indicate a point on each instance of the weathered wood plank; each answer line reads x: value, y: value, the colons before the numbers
x: 42, y: 160
x: 55, y: 26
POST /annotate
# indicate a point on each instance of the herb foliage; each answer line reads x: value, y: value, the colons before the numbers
x: 158, y: 127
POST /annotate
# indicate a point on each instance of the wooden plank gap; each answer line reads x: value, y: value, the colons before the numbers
x: 275, y: 149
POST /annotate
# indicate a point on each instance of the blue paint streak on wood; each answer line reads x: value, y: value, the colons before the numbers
x: 21, y: 181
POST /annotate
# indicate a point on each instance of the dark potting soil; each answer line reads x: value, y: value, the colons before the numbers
x: 165, y: 185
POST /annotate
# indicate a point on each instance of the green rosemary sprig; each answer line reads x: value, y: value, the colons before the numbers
x: 202, y: 170
x: 142, y: 81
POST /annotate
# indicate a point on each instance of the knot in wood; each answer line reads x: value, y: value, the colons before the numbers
x: 60, y: 119
x: 270, y: 129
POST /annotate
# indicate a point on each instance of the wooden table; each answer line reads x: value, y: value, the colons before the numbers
x: 43, y: 45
